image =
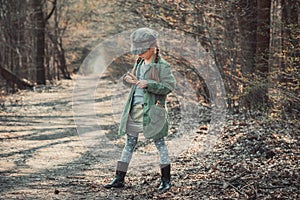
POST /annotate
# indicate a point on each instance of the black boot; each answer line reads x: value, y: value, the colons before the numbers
x: 118, y: 181
x: 165, y: 183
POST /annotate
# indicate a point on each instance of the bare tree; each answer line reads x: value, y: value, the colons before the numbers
x: 31, y: 43
x: 39, y: 22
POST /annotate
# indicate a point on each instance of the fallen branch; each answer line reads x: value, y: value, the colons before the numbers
x: 22, y: 83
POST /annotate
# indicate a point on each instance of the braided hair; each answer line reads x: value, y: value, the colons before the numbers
x: 138, y: 60
x: 156, y: 55
x: 154, y: 75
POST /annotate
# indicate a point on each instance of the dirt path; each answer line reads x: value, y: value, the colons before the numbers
x: 40, y: 149
x: 43, y: 156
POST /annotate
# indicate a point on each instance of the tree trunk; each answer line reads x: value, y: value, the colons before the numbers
x: 290, y: 21
x: 247, y: 26
x: 40, y: 41
x: 275, y: 60
x: 263, y: 37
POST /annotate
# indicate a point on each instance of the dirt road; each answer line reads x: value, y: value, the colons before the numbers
x: 44, y: 157
x: 60, y: 144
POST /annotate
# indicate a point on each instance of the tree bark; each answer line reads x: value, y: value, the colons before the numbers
x: 40, y: 41
x: 290, y: 21
x: 247, y: 26
x: 263, y: 36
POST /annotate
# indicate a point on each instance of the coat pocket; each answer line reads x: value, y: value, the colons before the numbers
x: 158, y: 119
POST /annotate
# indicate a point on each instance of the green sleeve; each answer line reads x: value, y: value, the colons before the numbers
x: 166, y: 84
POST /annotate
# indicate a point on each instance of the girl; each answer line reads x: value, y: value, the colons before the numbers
x: 151, y: 80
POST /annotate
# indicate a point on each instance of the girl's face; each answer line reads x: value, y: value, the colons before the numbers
x: 148, y: 54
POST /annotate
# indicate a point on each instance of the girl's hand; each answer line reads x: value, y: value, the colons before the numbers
x: 142, y: 84
x: 130, y: 78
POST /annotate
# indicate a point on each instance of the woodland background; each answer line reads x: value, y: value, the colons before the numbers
x: 255, y: 45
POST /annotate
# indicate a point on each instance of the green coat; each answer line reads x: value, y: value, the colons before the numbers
x: 155, y: 91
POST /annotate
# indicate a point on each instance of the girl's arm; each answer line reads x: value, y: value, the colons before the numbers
x: 166, y: 84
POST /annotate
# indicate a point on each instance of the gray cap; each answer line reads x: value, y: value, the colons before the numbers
x: 142, y: 39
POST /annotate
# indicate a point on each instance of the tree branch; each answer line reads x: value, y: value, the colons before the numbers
x: 52, y: 10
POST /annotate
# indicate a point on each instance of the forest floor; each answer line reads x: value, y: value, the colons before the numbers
x: 45, y: 154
